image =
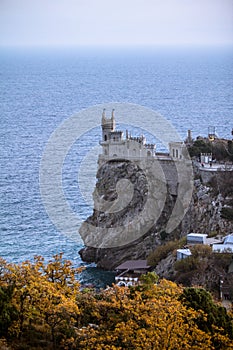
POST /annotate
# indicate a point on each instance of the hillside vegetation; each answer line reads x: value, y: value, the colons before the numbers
x: 221, y: 149
x: 202, y: 268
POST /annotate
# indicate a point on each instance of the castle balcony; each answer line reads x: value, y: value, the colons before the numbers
x: 103, y: 143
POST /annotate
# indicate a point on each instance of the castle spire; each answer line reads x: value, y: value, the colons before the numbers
x: 103, y: 116
x: 113, y: 120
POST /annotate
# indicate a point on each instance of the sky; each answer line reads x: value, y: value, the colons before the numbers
x: 116, y: 22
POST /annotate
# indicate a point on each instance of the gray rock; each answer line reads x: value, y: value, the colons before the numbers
x: 203, y: 215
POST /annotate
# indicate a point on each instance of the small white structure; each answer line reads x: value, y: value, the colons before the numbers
x: 183, y: 253
x: 222, y: 248
x: 206, y: 158
x: 212, y: 240
x: 196, y: 238
x: 225, y: 247
x: 228, y: 239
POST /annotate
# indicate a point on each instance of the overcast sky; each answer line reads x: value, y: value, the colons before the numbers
x: 116, y: 22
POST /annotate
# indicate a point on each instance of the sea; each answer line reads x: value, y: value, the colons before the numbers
x: 40, y: 89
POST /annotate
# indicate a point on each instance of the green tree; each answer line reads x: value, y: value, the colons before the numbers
x: 200, y: 146
x: 214, y: 317
x: 8, y: 312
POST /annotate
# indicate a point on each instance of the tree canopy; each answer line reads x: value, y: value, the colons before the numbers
x: 42, y: 306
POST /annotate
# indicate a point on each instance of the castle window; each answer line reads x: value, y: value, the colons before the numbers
x: 105, y: 137
x: 176, y: 153
x: 173, y: 153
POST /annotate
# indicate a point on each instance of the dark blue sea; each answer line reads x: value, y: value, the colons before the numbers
x: 40, y: 89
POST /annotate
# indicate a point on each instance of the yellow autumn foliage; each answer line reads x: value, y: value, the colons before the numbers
x: 52, y: 312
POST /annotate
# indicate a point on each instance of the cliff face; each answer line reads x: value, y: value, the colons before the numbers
x: 210, y: 198
x: 204, y: 214
x: 112, y: 217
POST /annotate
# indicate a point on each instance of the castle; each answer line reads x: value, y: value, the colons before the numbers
x: 115, y: 146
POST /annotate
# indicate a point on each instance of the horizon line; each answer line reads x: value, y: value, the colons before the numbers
x: 120, y: 46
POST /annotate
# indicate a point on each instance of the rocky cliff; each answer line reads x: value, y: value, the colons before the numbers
x: 111, y: 216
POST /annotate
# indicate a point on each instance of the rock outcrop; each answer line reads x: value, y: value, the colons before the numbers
x: 113, y: 219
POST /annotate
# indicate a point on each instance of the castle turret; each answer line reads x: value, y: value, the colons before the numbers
x: 113, y: 117
x: 108, y: 126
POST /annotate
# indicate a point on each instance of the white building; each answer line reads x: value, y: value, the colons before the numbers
x: 228, y: 240
x: 196, y: 238
x: 225, y: 247
x: 183, y: 253
x: 206, y: 158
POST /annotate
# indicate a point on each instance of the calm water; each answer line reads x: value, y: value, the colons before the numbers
x: 40, y: 89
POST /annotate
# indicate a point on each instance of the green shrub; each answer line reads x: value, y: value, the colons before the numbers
x: 222, y: 261
x: 162, y: 251
x: 201, y: 251
x: 212, y: 234
x: 227, y: 213
x: 187, y: 265
x: 163, y: 235
x: 149, y: 279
